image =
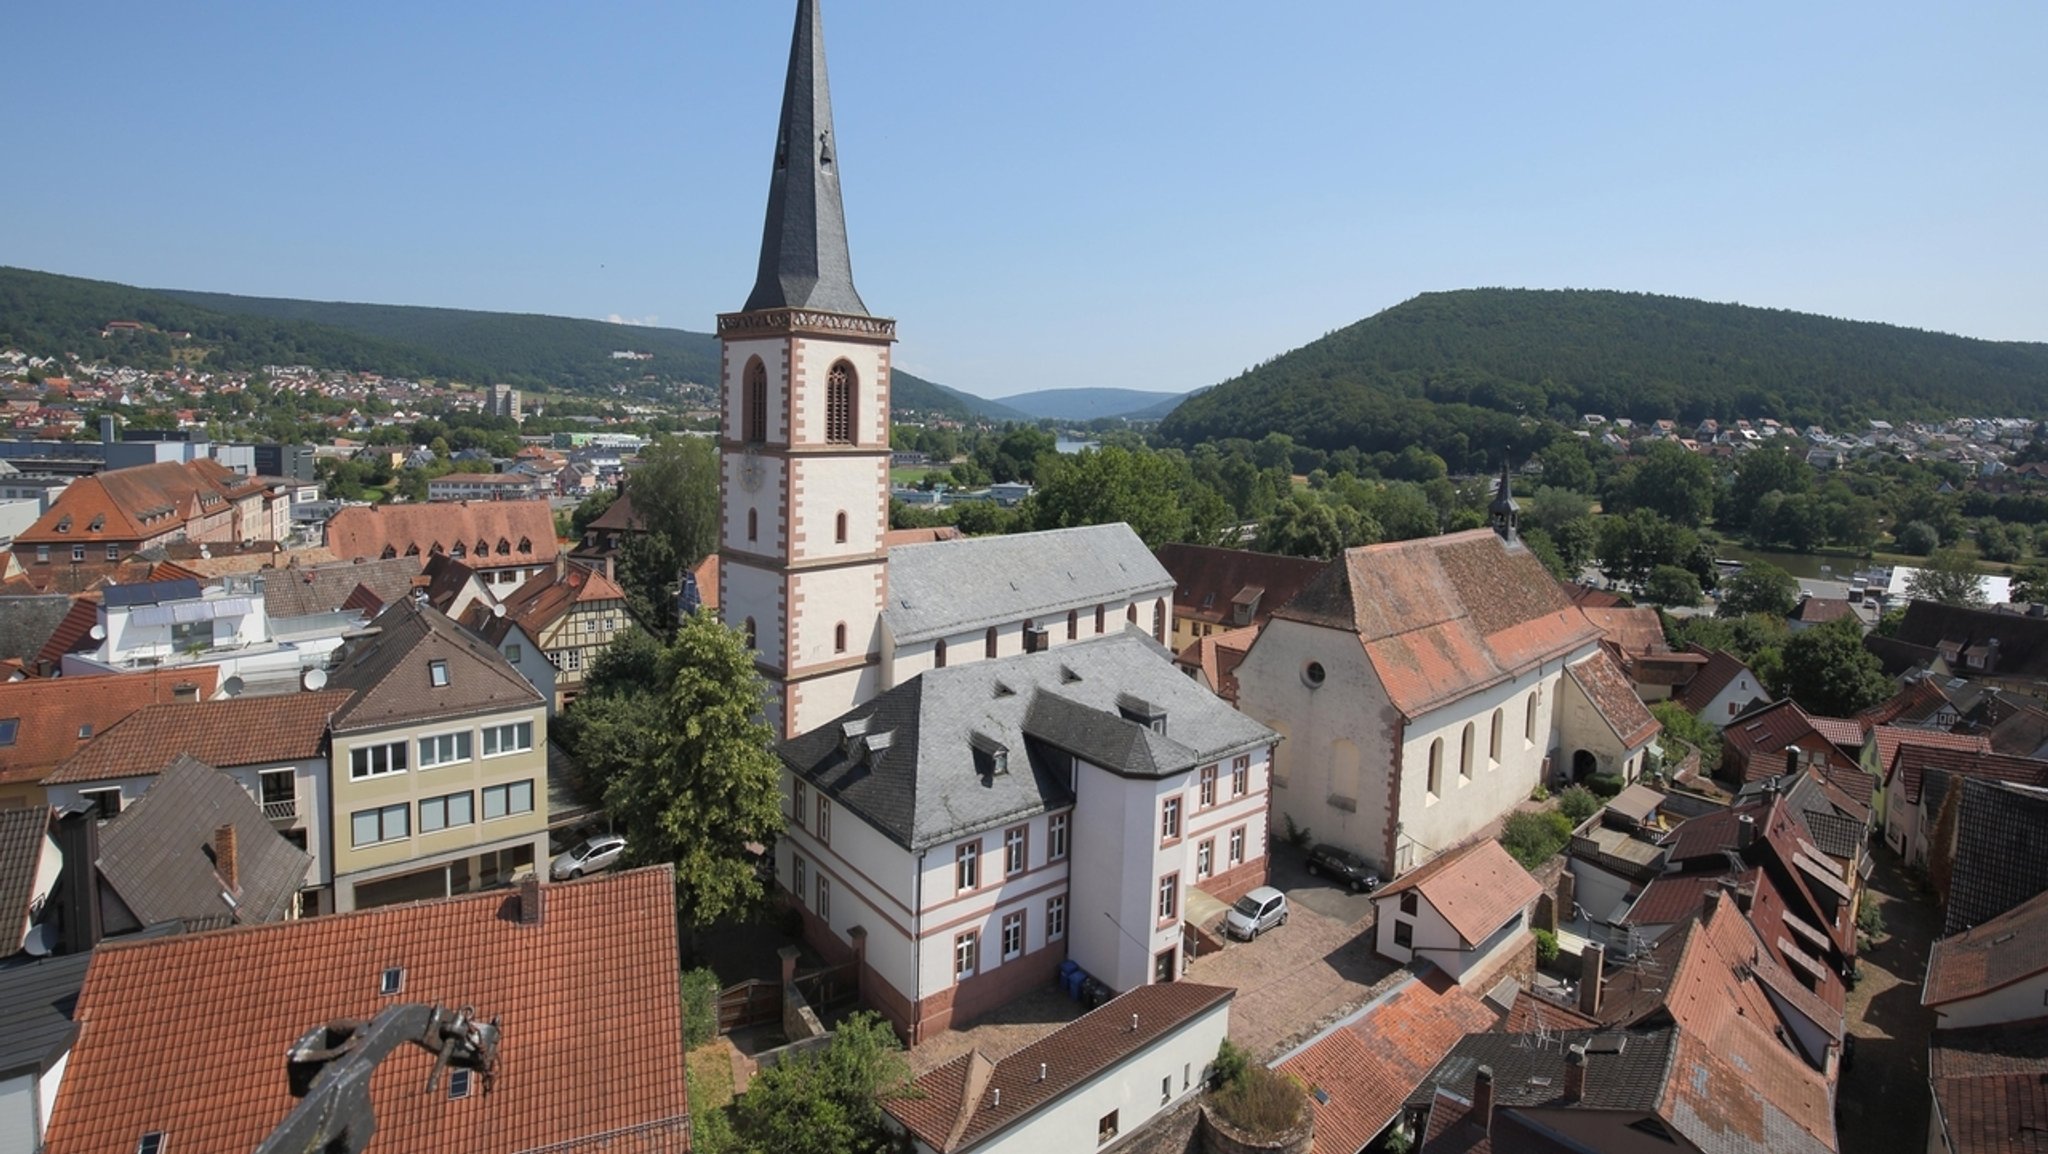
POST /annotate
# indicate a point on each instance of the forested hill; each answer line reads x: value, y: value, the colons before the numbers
x: 48, y: 314
x: 1456, y: 371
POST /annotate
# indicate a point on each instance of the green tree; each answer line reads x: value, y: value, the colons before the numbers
x: 1769, y: 470
x: 1565, y: 466
x: 2030, y: 584
x: 827, y: 1101
x: 1671, y: 585
x: 1948, y: 577
x: 675, y: 495
x: 1685, y: 727
x: 1304, y: 526
x: 1759, y: 588
x: 1674, y: 483
x: 1102, y: 486
x: 1631, y: 547
x: 1829, y: 672
x: 590, y: 509
x: 1917, y: 537
x: 1550, y: 507
x: 707, y: 784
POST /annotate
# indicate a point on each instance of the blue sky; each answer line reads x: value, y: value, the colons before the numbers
x: 1141, y: 194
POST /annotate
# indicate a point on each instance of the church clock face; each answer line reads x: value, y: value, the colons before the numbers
x: 752, y: 472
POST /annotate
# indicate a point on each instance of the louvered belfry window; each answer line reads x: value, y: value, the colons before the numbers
x: 839, y: 404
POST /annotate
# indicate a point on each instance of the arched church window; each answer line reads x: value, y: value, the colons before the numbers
x: 1073, y: 624
x: 753, y: 524
x: 754, y: 402
x: 1436, y: 767
x: 939, y: 654
x: 1159, y: 622
x: 839, y: 404
x: 839, y: 528
x: 989, y: 642
x: 839, y: 638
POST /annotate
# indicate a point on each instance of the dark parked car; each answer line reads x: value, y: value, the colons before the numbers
x: 1344, y: 867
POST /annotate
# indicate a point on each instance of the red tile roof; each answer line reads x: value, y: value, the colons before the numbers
x: 589, y: 998
x: 1891, y: 737
x: 512, y: 532
x: 1910, y: 765
x: 234, y: 731
x: 125, y: 506
x: 2006, y: 949
x: 547, y: 596
x: 1757, y: 740
x: 954, y: 1108
x: 54, y: 711
x: 1208, y: 581
x: 1441, y: 617
x: 1821, y: 610
x: 1217, y: 657
x: 1915, y: 701
x: 1720, y: 671
x: 895, y: 537
x: 1368, y: 1066
x: 1476, y: 888
x: 1614, y: 699
x: 1991, y: 1083
x: 1634, y: 631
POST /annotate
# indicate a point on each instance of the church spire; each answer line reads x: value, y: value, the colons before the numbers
x: 804, y: 260
x: 1506, y: 512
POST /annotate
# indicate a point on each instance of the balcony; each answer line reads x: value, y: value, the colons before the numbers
x: 285, y: 812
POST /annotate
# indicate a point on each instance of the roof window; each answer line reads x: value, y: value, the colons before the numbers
x: 9, y: 727
x: 392, y: 981
x: 85, y: 731
x: 154, y: 1142
x: 437, y: 673
x: 458, y: 1084
x: 99, y: 522
x: 64, y: 523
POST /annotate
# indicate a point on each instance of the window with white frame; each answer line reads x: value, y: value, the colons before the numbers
x: 376, y: 760
x: 1237, y: 846
x: 824, y: 830
x: 514, y: 797
x: 1240, y: 776
x: 1208, y: 793
x: 800, y: 798
x: 437, y: 674
x: 1056, y: 837
x: 1205, y: 858
x: 799, y: 874
x: 1169, y: 820
x: 386, y: 823
x: 967, y: 866
x: 1056, y: 918
x: 444, y: 749
x: 1014, y: 850
x: 1013, y: 936
x: 447, y: 811
x: 514, y: 737
x: 966, y: 953
x: 1169, y: 897
x: 824, y: 897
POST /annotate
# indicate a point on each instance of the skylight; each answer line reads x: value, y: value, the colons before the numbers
x: 8, y: 728
x: 154, y: 1142
x: 392, y: 981
x: 458, y: 1083
x: 437, y: 673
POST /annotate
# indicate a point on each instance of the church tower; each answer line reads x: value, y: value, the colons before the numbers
x: 804, y: 447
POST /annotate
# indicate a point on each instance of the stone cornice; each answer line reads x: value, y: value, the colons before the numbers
x: 804, y: 322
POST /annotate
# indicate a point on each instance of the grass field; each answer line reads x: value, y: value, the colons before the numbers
x: 914, y: 475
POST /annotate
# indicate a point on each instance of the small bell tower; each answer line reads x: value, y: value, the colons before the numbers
x: 1505, y: 512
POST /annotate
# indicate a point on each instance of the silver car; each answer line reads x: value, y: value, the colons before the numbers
x: 1255, y: 913
x: 588, y: 856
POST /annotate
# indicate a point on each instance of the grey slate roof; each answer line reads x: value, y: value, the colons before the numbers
x: 804, y: 259
x: 2001, y: 855
x: 296, y: 592
x: 952, y: 587
x: 22, y: 831
x: 933, y: 780
x: 389, y: 673
x: 1625, y: 1069
x: 36, y: 1001
x: 26, y: 623
x: 157, y: 855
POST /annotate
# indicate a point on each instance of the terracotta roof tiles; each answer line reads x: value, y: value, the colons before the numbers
x: 1991, y: 1085
x: 56, y: 716
x: 260, y: 730
x: 1721, y: 670
x: 602, y: 960
x: 1989, y: 956
x: 1476, y: 889
x: 1208, y: 581
x: 1615, y: 699
x: 524, y: 529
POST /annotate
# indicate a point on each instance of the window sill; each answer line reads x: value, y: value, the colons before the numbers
x: 378, y: 776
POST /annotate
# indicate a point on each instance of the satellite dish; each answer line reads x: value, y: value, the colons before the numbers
x: 41, y: 942
x: 98, y: 633
x: 498, y: 610
x: 232, y: 687
x: 205, y: 554
x: 316, y: 679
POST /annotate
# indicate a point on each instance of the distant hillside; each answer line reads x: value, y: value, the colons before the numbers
x: 1459, y: 371
x: 47, y: 313
x: 1088, y: 404
x: 1160, y: 411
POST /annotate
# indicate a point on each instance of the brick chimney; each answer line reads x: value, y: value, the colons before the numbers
x: 1482, y: 1098
x: 1792, y: 759
x: 1592, y: 969
x: 1745, y: 833
x: 1575, y: 1074
x: 530, y: 900
x: 226, y: 861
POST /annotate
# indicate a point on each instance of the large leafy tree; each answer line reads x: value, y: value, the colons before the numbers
x: 826, y: 1101
x: 1760, y: 588
x: 1769, y: 470
x: 1948, y: 577
x: 675, y: 495
x: 1670, y: 481
x: 684, y: 761
x: 1101, y: 486
x: 1631, y: 547
x: 1829, y: 672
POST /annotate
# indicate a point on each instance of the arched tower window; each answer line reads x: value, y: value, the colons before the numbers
x: 753, y: 524
x: 1493, y: 744
x: 1131, y: 613
x: 939, y: 654
x: 1465, y: 753
x: 1159, y: 622
x: 1529, y: 721
x: 839, y: 528
x: 839, y: 387
x: 989, y: 643
x: 754, y: 402
x: 839, y: 638
x: 1436, y: 767
x: 749, y: 626
x: 1098, y: 618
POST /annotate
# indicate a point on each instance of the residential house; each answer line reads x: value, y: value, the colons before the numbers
x: 606, y: 534
x: 44, y: 720
x: 1778, y: 737
x: 553, y: 964
x: 1992, y: 972
x: 110, y: 515
x: 1216, y: 590
x: 505, y: 542
x: 1212, y: 660
x: 225, y: 627
x: 964, y: 833
x: 439, y: 764
x: 1462, y: 911
x: 564, y: 616
x: 1988, y: 1055
x: 488, y: 487
x: 1635, y: 639
x: 1099, y: 1078
x: 1812, y: 611
x: 1721, y: 688
x: 1923, y: 773
x: 1361, y: 1069
x: 1422, y: 688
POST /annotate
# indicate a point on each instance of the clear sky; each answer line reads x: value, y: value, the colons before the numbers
x: 1135, y: 193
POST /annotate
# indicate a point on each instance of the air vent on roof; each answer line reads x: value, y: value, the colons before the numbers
x: 1606, y: 1043
x: 1002, y: 690
x: 1068, y: 676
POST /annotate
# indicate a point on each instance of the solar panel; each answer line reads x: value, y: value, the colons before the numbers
x: 149, y: 592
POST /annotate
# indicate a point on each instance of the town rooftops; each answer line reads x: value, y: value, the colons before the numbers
x: 955, y: 1108
x: 1625, y: 1069
x: 26, y: 623
x: 492, y: 534
x: 261, y: 730
x: 1211, y: 583
x: 1443, y: 616
x: 303, y: 592
x: 44, y: 720
x: 1217, y: 656
x: 1991, y: 1087
x: 36, y: 1003
x: 1367, y: 1065
x: 1910, y: 766
x: 546, y: 597
x: 1720, y: 671
x: 1989, y: 956
x: 138, y: 503
x: 1821, y: 610
x: 968, y: 747
x: 1476, y: 888
x: 420, y: 666
x: 163, y: 853
x: 22, y: 830
x: 964, y: 586
x: 1999, y: 832
x: 575, y: 1063
x: 1614, y: 699
x: 2022, y: 641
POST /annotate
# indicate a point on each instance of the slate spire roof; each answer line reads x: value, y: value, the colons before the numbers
x: 804, y: 259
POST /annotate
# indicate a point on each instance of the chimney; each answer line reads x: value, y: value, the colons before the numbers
x: 1712, y: 906
x: 226, y: 862
x: 1745, y: 833
x: 530, y: 900
x: 1592, y: 969
x: 1575, y: 1073
x: 1482, y: 1098
x: 609, y: 573
x: 77, y: 895
x: 185, y: 691
x: 561, y: 565
x: 1792, y: 756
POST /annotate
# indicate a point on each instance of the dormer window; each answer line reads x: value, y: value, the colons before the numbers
x: 64, y: 523
x: 1139, y: 711
x: 99, y: 522
x: 526, y: 545
x: 991, y: 757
